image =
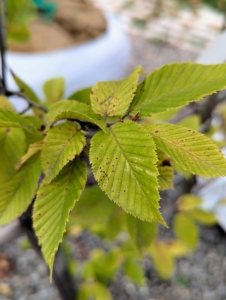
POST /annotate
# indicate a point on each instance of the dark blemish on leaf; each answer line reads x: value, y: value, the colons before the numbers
x: 42, y: 127
x: 8, y: 130
x: 166, y: 162
x: 156, y: 131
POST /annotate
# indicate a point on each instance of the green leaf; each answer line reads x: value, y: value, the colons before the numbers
x: 115, y: 223
x: 54, y: 89
x: 165, y: 170
x: 93, y: 207
x: 177, y: 248
x: 62, y: 143
x: 81, y: 96
x: 102, y: 266
x: 20, y: 12
x: 142, y: 233
x: 123, y: 162
x: 176, y: 85
x: 32, y: 150
x: 165, y: 177
x: 185, y: 230
x: 192, y: 150
x: 188, y: 201
x: 163, y: 259
x: 5, y: 103
x: 18, y: 34
x: 18, y: 192
x: 191, y: 122
x: 53, y: 204
x: 69, y: 109
x: 202, y: 216
x: 133, y: 270
x: 12, y: 119
x: 112, y: 98
x: 26, y: 90
x: 12, y: 147
x: 94, y: 291
x: 39, y: 126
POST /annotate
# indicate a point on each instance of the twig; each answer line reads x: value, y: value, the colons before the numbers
x: 30, y: 102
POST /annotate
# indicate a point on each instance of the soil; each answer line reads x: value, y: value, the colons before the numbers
x: 76, y: 21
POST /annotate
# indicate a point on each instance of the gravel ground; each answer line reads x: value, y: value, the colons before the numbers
x: 200, y: 276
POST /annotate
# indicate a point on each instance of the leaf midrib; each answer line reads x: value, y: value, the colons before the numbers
x: 68, y: 141
x: 134, y: 172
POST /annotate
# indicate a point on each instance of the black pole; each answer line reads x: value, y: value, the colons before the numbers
x: 3, y: 45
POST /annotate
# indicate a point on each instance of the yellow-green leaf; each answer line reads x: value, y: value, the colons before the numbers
x: 81, y: 96
x: 165, y: 177
x: 191, y: 122
x: 188, y: 201
x: 94, y: 291
x: 175, y: 85
x: 192, y: 150
x: 185, y: 230
x: 12, y: 119
x: 18, y: 192
x: 141, y: 232
x: 163, y: 259
x: 123, y: 161
x: 12, y: 147
x: 33, y: 149
x: 202, y: 216
x: 54, y: 89
x: 26, y: 90
x: 102, y: 266
x: 112, y: 98
x: 4, y: 103
x: 70, y: 109
x: 133, y: 270
x: 53, y: 205
x: 62, y: 143
x: 115, y: 223
x: 93, y: 207
x: 177, y: 248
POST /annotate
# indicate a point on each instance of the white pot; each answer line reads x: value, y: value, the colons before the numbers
x: 101, y: 59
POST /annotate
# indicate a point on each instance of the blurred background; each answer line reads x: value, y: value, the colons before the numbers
x: 85, y: 42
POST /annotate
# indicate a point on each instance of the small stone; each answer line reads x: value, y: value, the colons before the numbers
x: 5, y: 289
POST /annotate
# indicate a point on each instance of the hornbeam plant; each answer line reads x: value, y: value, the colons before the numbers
x: 45, y: 157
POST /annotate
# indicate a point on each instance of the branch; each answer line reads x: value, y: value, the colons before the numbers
x: 30, y: 102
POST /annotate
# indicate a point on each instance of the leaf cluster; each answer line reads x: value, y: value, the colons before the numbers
x: 130, y: 158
